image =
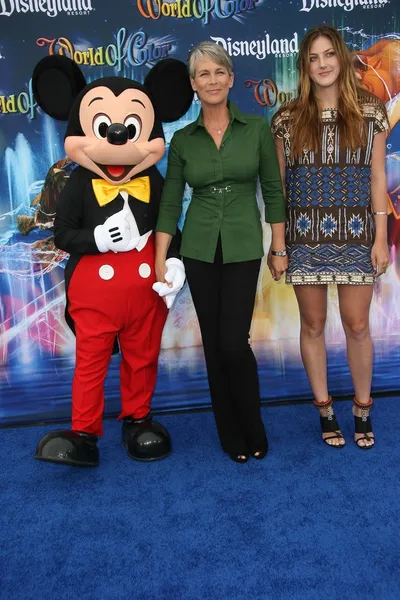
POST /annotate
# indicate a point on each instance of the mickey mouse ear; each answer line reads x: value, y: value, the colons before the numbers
x: 56, y: 82
x: 168, y: 83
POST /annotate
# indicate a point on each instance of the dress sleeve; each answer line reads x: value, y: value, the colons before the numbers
x: 381, y: 121
x: 270, y: 177
x: 276, y: 125
x: 174, y: 186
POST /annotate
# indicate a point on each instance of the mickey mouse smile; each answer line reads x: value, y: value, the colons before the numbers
x: 116, y: 172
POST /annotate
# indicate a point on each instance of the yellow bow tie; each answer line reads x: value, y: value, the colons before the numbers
x: 105, y: 192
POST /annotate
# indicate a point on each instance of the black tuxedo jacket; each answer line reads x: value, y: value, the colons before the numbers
x: 78, y: 214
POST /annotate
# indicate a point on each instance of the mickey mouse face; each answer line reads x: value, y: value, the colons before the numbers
x: 114, y: 123
x: 116, y: 130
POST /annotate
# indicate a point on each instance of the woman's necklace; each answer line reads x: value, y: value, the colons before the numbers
x: 218, y: 129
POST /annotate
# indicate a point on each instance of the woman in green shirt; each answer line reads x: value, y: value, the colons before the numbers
x: 221, y: 155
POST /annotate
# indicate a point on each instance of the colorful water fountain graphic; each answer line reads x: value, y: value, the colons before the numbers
x: 31, y: 267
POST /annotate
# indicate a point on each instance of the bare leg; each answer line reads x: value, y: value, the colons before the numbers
x: 354, y: 303
x: 312, y: 300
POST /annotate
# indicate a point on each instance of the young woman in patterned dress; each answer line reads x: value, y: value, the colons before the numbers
x: 331, y: 148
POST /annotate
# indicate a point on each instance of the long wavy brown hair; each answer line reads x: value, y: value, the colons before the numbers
x: 305, y: 112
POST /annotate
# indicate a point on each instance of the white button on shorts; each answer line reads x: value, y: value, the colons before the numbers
x: 144, y: 270
x: 106, y: 272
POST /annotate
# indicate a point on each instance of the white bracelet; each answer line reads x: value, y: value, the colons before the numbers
x: 380, y: 212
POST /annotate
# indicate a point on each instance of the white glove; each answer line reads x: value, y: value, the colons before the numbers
x: 115, y: 234
x: 160, y: 289
x: 174, y: 275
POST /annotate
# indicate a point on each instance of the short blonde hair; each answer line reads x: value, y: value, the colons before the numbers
x: 210, y: 50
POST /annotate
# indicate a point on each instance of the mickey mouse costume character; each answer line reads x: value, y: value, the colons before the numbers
x: 105, y: 218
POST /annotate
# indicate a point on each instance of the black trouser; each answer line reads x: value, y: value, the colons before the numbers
x: 223, y: 296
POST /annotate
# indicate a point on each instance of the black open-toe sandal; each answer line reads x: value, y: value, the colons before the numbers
x: 259, y: 454
x: 329, y: 423
x: 238, y: 457
x: 363, y: 425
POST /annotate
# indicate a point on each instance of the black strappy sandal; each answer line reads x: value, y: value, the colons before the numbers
x: 363, y: 425
x: 329, y: 423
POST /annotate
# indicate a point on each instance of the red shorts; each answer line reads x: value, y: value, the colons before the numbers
x: 111, y: 295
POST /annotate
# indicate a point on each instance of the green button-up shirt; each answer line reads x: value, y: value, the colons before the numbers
x: 224, y: 188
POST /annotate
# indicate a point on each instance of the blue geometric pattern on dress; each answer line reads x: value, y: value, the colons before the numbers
x: 329, y: 258
x: 330, y: 229
x: 356, y: 225
x: 325, y: 186
x: 336, y: 225
x: 303, y: 224
x: 328, y: 225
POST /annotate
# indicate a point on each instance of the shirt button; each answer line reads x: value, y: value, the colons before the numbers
x: 106, y: 272
x: 144, y: 270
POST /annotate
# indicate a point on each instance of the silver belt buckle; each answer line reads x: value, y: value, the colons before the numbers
x: 214, y: 189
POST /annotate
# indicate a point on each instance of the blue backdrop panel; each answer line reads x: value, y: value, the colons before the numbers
x: 127, y: 38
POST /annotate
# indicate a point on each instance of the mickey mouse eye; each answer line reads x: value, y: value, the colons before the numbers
x: 133, y: 124
x: 100, y: 125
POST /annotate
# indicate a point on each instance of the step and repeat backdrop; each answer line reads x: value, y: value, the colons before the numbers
x: 126, y: 37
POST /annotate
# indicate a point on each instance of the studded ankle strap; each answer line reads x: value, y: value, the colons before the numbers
x: 364, y: 405
x: 325, y: 404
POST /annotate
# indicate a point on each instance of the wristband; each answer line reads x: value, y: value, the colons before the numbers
x: 278, y: 252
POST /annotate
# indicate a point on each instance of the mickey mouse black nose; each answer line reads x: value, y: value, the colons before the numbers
x: 117, y: 134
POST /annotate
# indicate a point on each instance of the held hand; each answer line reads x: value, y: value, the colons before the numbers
x: 380, y: 257
x: 175, y: 274
x: 277, y: 265
x: 171, y: 278
x: 160, y: 269
x: 159, y: 288
x: 161, y: 284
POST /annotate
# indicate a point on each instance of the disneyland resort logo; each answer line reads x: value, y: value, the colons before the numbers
x: 348, y: 5
x: 266, y: 92
x: 51, y: 8
x: 134, y: 50
x: 261, y: 48
x: 194, y: 9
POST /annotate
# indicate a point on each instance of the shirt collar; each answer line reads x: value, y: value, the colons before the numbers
x: 234, y: 113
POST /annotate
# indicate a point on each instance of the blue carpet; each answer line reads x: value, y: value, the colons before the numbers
x: 308, y: 522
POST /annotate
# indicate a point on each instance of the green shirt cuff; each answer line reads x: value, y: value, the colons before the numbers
x: 278, y: 216
x: 166, y: 225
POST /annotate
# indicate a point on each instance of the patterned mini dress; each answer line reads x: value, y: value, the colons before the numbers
x: 330, y: 227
